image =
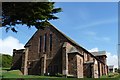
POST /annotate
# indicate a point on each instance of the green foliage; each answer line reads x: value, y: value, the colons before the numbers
x: 30, y: 13
x: 6, y: 60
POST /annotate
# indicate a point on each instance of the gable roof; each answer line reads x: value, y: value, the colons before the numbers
x: 58, y: 31
x: 69, y: 39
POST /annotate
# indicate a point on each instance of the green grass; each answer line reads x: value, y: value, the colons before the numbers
x: 7, y: 73
x: 18, y: 74
x: 13, y: 74
x: 118, y: 76
x: 111, y: 75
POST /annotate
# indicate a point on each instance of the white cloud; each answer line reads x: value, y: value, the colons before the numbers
x: 112, y: 59
x: 8, y: 44
x: 93, y: 50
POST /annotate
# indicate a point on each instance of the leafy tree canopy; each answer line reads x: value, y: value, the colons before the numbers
x: 5, y: 60
x: 30, y: 13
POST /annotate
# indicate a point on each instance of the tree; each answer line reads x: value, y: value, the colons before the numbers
x: 30, y: 13
x: 6, y: 60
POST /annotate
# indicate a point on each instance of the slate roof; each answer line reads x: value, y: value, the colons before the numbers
x: 73, y: 50
x: 99, y: 53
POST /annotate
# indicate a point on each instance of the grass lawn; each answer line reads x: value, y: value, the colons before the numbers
x: 111, y: 75
x: 13, y: 74
x: 18, y: 74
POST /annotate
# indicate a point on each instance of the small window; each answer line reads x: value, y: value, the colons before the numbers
x: 45, y: 41
x: 80, y: 61
x: 50, y: 42
x: 40, y: 43
x: 88, y: 57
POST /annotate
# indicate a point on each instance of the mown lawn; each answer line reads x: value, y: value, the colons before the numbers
x: 111, y: 75
x: 13, y: 74
x: 18, y: 74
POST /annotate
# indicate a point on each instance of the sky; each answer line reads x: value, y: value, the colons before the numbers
x: 93, y: 25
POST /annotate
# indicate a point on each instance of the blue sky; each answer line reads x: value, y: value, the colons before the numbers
x: 90, y: 24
